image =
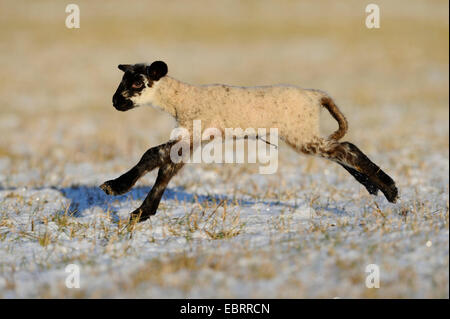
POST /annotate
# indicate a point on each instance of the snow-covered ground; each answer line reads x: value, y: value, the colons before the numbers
x: 307, y: 231
x: 294, y: 234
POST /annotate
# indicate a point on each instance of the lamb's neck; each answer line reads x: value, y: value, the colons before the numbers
x: 170, y: 95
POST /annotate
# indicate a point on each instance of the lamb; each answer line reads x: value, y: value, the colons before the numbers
x: 293, y: 110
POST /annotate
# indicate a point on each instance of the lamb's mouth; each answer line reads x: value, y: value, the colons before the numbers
x: 122, y: 104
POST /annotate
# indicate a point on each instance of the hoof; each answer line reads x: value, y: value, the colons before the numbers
x: 138, y: 216
x: 391, y: 193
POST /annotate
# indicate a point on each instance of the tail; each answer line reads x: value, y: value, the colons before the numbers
x: 328, y: 103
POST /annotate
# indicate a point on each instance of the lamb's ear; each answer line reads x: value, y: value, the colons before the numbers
x: 125, y: 67
x: 157, y: 70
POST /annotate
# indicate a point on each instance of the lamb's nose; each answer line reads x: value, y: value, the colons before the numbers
x: 114, y: 100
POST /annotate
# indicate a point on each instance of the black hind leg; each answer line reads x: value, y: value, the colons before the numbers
x: 363, y: 179
x: 356, y: 163
x: 366, y: 172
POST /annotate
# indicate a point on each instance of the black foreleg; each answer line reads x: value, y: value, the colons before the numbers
x: 151, y: 202
x: 152, y: 158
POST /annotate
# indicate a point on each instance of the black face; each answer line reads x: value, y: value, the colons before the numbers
x: 136, y: 78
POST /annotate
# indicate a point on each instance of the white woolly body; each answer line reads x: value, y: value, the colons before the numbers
x: 294, y: 111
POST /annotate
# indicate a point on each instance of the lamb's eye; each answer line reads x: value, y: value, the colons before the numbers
x: 137, y: 85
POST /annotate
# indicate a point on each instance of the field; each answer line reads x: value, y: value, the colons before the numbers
x: 222, y: 230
